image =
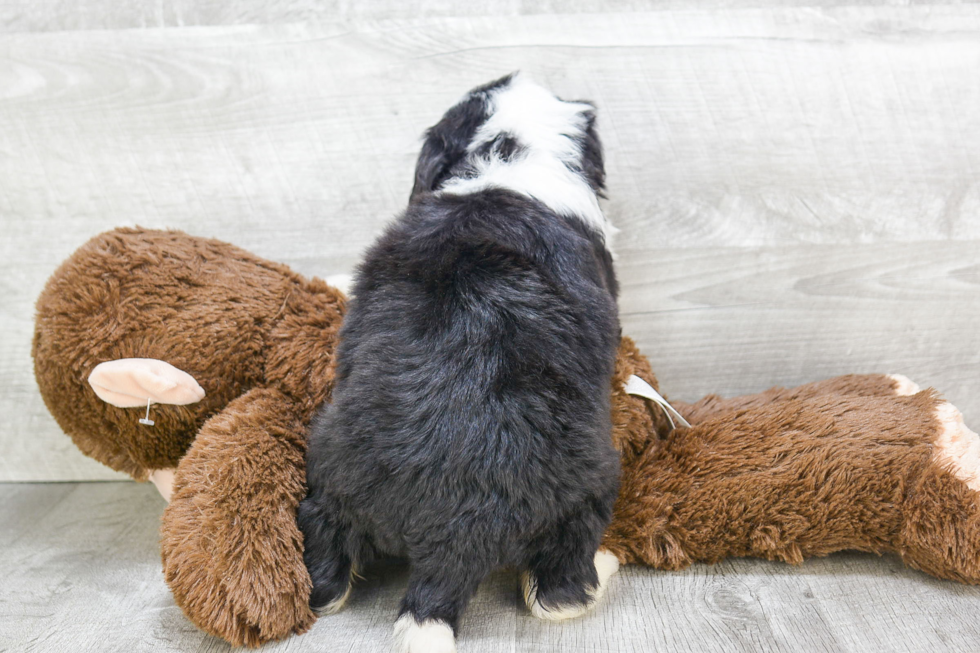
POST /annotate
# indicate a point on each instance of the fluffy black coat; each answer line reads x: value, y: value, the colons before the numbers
x: 470, y: 423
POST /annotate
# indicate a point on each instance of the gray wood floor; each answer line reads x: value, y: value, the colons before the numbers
x: 80, y: 571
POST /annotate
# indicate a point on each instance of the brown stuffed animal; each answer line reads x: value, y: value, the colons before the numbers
x: 214, y: 361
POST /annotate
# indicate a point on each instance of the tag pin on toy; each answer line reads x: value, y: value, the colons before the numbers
x: 146, y: 421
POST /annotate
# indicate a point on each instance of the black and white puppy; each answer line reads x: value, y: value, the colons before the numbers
x: 470, y: 422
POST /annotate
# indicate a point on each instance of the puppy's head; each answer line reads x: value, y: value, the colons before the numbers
x: 505, y: 131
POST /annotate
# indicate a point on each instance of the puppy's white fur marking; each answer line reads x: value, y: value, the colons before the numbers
x: 957, y: 447
x: 430, y: 636
x: 544, y: 126
x: 606, y: 564
x: 905, y: 386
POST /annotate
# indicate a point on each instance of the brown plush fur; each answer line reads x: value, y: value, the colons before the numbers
x: 231, y: 550
x: 842, y: 464
x: 784, y: 474
x: 783, y: 481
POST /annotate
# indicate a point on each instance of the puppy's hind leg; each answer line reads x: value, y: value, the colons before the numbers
x: 326, y: 553
x: 437, y: 595
x: 568, y: 575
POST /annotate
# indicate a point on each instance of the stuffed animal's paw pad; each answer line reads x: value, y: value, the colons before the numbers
x: 904, y: 386
x: 957, y: 447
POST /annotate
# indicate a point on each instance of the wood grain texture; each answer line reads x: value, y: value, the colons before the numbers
x: 772, y: 129
x: 81, y: 572
x: 738, y: 320
x: 61, y: 15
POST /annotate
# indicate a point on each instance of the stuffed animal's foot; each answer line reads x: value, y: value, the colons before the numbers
x: 548, y: 604
x: 941, y: 530
x: 957, y: 448
x: 341, y: 282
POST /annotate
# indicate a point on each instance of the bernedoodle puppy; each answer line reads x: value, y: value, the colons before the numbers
x: 470, y: 423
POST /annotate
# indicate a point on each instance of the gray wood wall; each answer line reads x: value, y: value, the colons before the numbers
x: 797, y: 183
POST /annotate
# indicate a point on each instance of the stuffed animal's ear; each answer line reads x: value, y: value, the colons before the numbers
x: 130, y: 382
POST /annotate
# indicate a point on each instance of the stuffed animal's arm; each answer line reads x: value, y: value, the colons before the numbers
x: 858, y: 385
x: 232, y: 553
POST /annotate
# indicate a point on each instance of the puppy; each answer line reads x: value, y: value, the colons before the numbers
x: 470, y: 424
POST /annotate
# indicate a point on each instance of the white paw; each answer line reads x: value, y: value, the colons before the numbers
x: 430, y: 636
x: 904, y: 386
x: 957, y: 447
x: 606, y: 564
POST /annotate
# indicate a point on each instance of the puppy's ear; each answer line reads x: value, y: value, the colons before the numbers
x: 434, y: 162
x: 592, y: 159
x: 446, y: 142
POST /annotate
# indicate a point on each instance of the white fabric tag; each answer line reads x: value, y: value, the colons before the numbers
x: 637, y: 386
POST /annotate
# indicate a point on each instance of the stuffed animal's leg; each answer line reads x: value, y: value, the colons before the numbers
x: 941, y: 528
x: 807, y: 477
x: 854, y: 385
x: 232, y: 553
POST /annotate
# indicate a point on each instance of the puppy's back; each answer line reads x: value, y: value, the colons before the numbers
x: 477, y: 350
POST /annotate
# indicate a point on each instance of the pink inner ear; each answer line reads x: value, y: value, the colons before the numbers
x: 130, y: 382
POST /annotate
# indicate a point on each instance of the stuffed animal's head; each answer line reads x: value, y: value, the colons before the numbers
x: 138, y: 318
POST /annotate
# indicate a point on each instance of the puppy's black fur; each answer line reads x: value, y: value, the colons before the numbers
x: 470, y: 424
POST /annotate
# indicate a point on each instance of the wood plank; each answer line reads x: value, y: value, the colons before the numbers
x: 81, y: 572
x: 297, y: 141
x: 52, y: 15
x: 739, y: 320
